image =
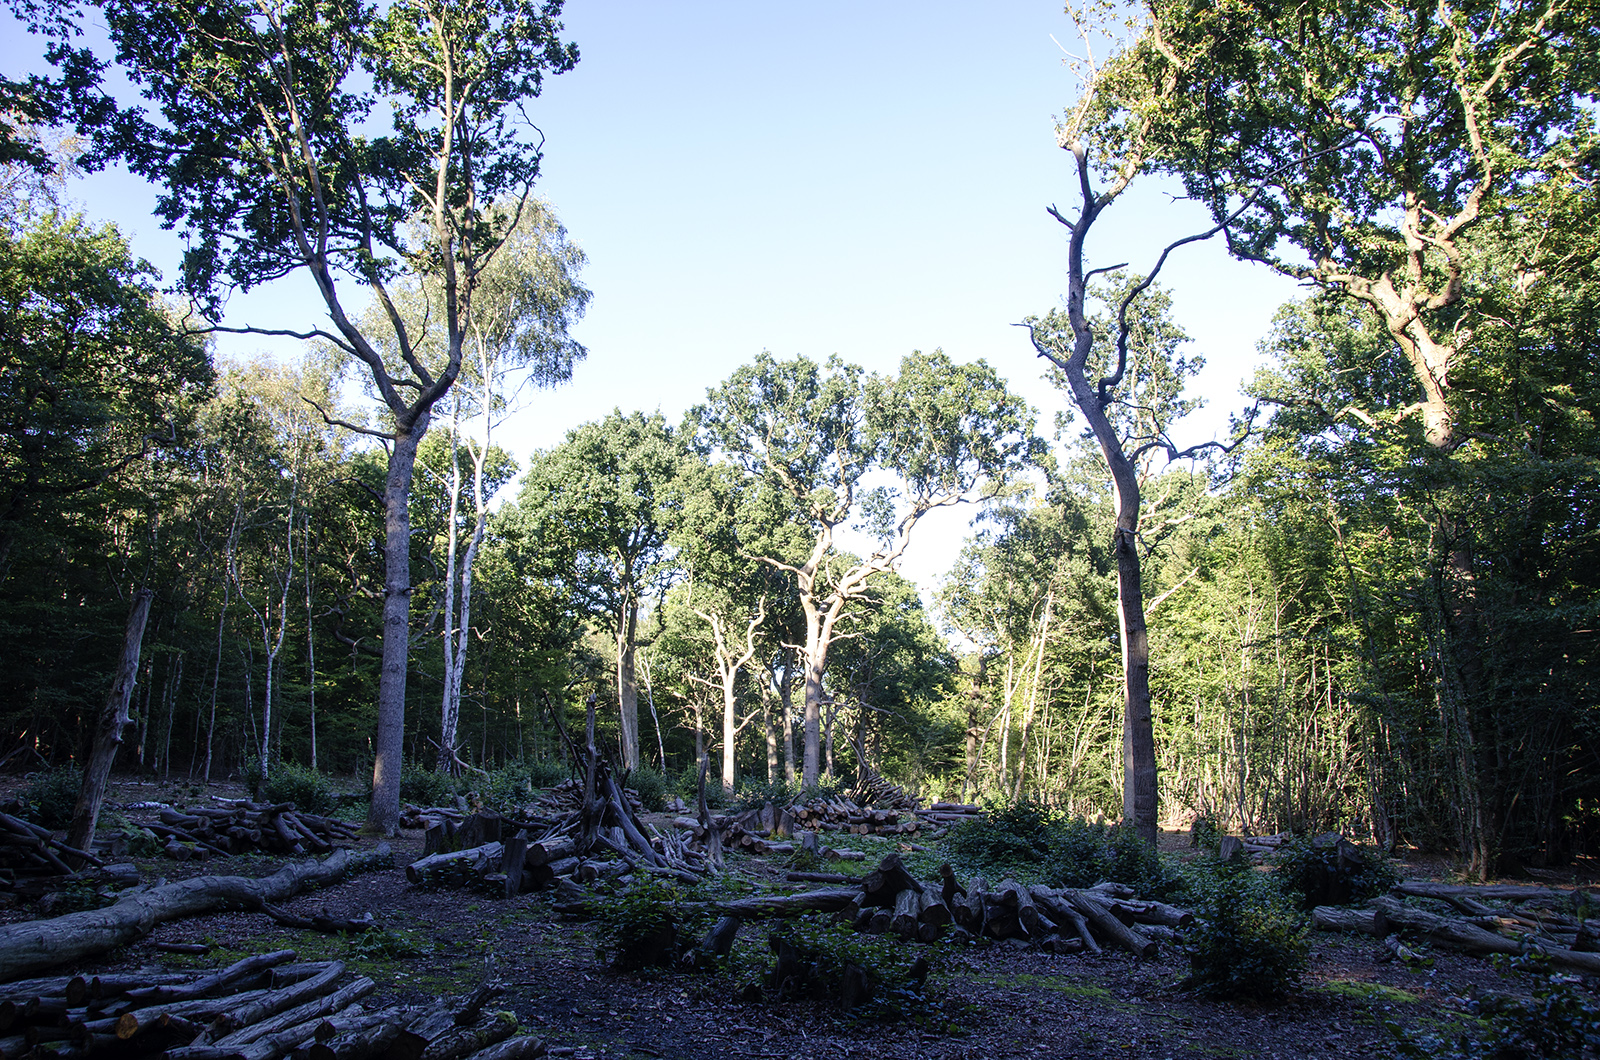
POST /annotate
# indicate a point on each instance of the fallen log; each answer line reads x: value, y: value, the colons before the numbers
x: 1360, y: 921
x: 1486, y: 893
x: 1104, y: 921
x: 820, y: 901
x: 1461, y: 935
x: 36, y: 945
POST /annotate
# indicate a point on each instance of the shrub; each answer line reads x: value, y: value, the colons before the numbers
x: 1137, y: 863
x: 1248, y: 943
x: 1312, y: 872
x: 142, y: 843
x: 648, y: 927
x: 1019, y: 835
x: 52, y: 795
x: 652, y: 787
x: 308, y: 789
x: 1030, y: 840
x: 424, y: 787
x: 1205, y: 834
x: 1558, y: 1019
x: 547, y: 772
x: 868, y: 975
x: 752, y: 794
x: 506, y: 789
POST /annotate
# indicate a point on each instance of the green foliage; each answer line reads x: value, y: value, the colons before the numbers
x: 825, y: 949
x: 1302, y: 868
x: 382, y: 944
x: 1030, y: 840
x: 648, y: 926
x: 142, y: 843
x: 1017, y: 834
x: 547, y: 772
x: 52, y: 794
x: 1559, y: 1020
x: 75, y: 898
x: 307, y: 788
x: 1204, y: 834
x: 652, y: 786
x: 507, y: 789
x: 424, y: 787
x: 1247, y: 944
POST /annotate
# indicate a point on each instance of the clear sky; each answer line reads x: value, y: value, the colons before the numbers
x: 861, y: 177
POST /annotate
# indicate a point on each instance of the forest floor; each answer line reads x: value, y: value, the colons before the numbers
x: 984, y: 1001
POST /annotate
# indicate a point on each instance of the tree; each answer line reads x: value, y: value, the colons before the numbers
x: 517, y: 333
x: 951, y: 433
x: 1366, y: 148
x: 1371, y: 150
x: 1068, y: 341
x: 94, y: 373
x: 264, y: 154
x: 717, y: 518
x: 596, y: 501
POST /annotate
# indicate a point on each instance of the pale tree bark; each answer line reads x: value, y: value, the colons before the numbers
x: 731, y: 660
x: 311, y: 645
x: 272, y: 644
x: 109, y: 728
x: 627, y: 630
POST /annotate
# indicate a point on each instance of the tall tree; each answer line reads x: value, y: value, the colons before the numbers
x: 596, y: 501
x: 951, y: 433
x: 527, y: 299
x: 1369, y: 150
x: 310, y: 134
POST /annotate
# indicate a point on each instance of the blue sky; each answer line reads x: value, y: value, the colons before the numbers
x: 863, y: 178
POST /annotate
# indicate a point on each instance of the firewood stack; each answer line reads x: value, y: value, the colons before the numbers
x: 1480, y: 920
x: 263, y: 1008
x: 840, y: 814
x: 29, y: 853
x: 603, y: 836
x: 242, y: 827
x: 1068, y: 920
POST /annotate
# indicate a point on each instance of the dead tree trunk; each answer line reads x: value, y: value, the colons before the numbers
x: 108, y: 733
x: 35, y: 945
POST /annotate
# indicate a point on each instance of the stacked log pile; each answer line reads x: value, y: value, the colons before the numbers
x: 1065, y: 920
x: 31, y: 857
x: 241, y: 827
x: 265, y: 1007
x: 888, y: 900
x: 1477, y: 920
x: 602, y: 836
x: 840, y: 814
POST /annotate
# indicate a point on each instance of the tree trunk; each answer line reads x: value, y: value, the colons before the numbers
x: 450, y: 708
x: 108, y: 732
x: 730, y: 725
x: 786, y: 703
x: 383, y: 813
x: 628, y: 683
x: 35, y: 945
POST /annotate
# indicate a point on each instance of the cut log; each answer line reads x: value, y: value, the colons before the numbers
x: 211, y: 984
x: 519, y: 1048
x: 34, y: 946
x: 314, y: 1010
x: 903, y: 922
x: 776, y: 905
x: 459, y: 863
x: 1101, y: 919
x: 460, y: 1041
x: 886, y: 881
x: 1361, y: 921
x: 274, y: 1002
x: 1487, y: 893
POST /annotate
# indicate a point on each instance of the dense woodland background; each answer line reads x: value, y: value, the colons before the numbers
x: 1353, y: 624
